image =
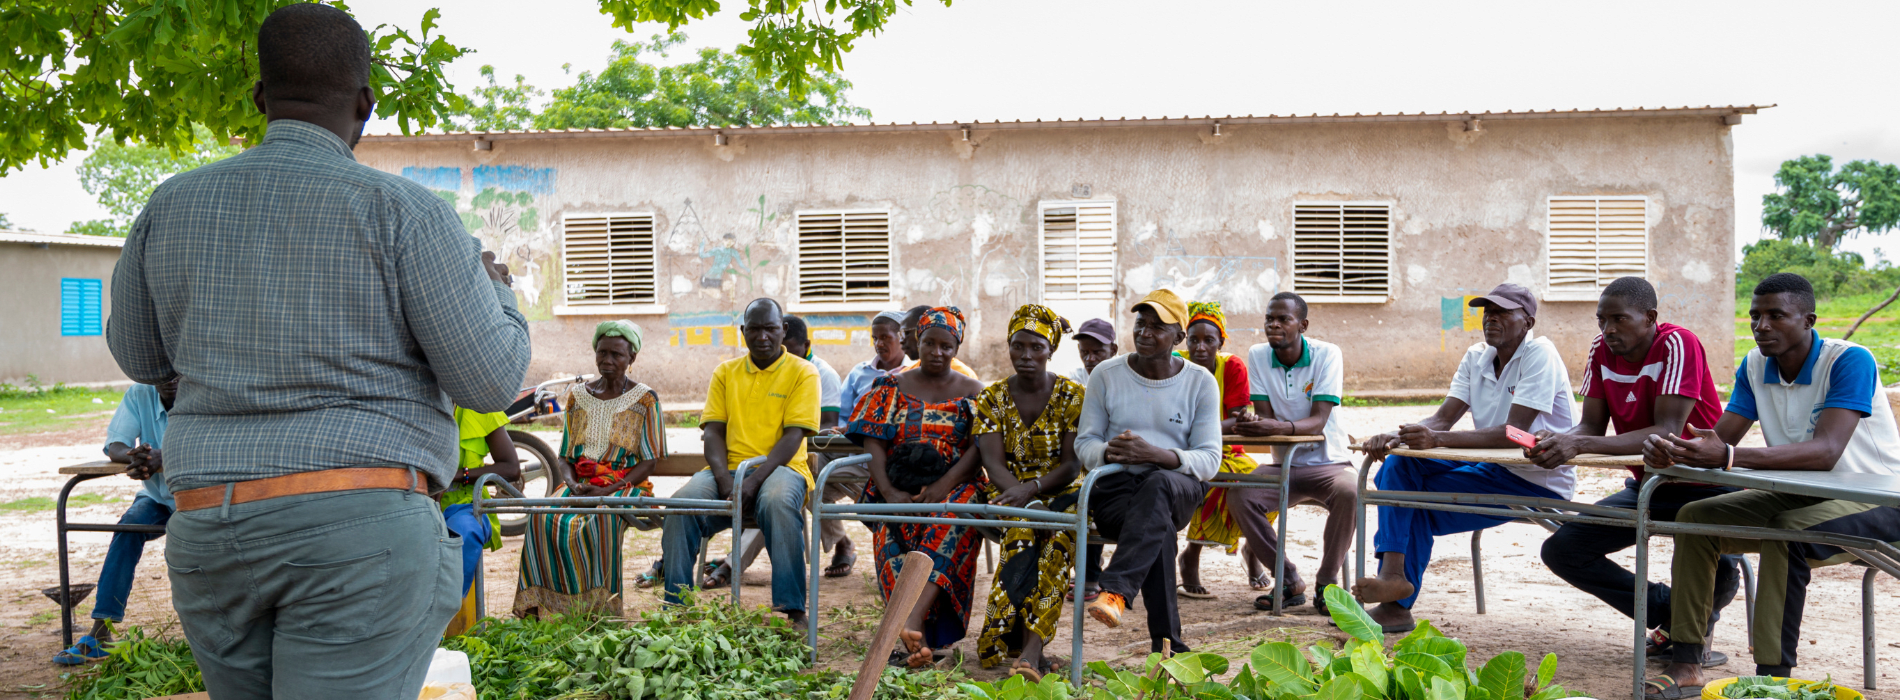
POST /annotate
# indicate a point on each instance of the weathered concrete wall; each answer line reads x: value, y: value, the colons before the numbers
x: 31, y: 343
x: 1209, y: 216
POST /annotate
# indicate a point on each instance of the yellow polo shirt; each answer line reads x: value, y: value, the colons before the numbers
x: 757, y: 405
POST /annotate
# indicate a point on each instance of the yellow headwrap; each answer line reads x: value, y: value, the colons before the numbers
x: 1210, y: 312
x: 1040, y: 320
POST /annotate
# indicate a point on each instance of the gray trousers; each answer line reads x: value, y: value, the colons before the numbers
x: 350, y: 590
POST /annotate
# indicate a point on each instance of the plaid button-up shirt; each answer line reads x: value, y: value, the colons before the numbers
x: 322, y: 313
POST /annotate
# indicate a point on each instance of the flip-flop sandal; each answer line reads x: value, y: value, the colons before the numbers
x: 1023, y: 669
x: 647, y: 579
x: 82, y: 652
x: 1319, y: 603
x: 834, y: 571
x: 1262, y: 582
x: 1182, y: 589
x: 1666, y: 688
x: 1265, y: 602
x: 900, y: 658
x: 717, y: 580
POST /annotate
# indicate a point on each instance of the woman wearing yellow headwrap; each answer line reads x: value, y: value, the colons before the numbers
x: 612, y: 440
x: 1025, y: 434
x: 1206, y: 335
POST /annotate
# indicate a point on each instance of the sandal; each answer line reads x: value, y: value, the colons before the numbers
x: 650, y: 578
x: 82, y: 652
x: 1023, y: 669
x: 720, y: 577
x: 1265, y: 602
x: 1659, y: 645
x: 842, y: 569
x: 1090, y: 591
x: 1263, y: 582
x: 1197, y: 592
x: 1666, y: 688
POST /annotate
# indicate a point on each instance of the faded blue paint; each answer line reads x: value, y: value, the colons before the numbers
x: 447, y: 179
x: 514, y: 178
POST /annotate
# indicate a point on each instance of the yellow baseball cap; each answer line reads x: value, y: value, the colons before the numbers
x: 1167, y: 305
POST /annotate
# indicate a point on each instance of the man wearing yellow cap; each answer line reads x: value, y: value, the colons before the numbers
x: 1159, y: 416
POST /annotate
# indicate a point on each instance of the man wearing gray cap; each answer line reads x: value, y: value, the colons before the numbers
x: 1094, y: 341
x: 1511, y: 380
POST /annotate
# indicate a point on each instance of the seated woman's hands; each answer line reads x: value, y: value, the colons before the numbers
x: 937, y: 491
x: 1021, y: 493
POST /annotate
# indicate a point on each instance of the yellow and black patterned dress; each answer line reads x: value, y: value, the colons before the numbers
x: 1028, y: 590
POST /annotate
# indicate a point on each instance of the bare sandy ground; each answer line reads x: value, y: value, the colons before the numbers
x: 1530, y: 610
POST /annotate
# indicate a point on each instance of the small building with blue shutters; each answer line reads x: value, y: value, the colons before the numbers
x: 57, y: 294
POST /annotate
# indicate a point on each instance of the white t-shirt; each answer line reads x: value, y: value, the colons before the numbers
x: 1535, y: 377
x: 830, y: 387
x: 1319, y: 375
x: 1080, y: 375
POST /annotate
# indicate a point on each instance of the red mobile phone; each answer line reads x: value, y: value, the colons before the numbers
x: 1520, y: 437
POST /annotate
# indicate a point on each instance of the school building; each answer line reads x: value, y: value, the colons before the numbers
x: 1386, y: 223
x: 59, y: 293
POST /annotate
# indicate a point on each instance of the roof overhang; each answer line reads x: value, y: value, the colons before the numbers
x: 43, y: 240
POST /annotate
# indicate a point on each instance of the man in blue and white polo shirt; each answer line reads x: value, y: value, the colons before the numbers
x: 1820, y: 406
x: 1511, y: 379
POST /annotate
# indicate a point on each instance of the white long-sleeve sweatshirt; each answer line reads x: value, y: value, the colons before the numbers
x: 1180, y: 413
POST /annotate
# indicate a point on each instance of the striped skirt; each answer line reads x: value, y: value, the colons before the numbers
x: 570, y: 563
x: 1212, y: 523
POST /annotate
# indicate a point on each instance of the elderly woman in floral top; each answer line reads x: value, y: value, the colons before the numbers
x: 613, y: 438
x: 1025, y: 428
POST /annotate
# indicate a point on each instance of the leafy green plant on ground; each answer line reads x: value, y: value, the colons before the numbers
x: 702, y: 651
x: 1425, y: 665
x: 1772, y: 688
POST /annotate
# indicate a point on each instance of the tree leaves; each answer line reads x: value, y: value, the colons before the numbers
x: 148, y: 70
x: 1820, y: 204
x: 123, y: 176
x: 1280, y: 662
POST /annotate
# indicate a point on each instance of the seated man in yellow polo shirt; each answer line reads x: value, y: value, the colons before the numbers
x: 762, y: 404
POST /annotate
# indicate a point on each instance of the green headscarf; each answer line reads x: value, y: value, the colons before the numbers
x: 622, y: 328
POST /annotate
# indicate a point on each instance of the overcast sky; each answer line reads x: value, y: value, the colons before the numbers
x: 1826, y: 64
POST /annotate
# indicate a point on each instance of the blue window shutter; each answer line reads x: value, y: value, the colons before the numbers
x: 80, y: 305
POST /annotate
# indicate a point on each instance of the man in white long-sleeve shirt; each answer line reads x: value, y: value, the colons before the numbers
x: 1159, y: 416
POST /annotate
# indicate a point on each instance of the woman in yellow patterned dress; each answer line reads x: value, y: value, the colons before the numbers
x: 1025, y: 428
x: 613, y: 438
x: 1207, y: 334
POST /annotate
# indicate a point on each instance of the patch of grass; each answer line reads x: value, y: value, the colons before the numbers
x: 40, y: 503
x: 40, y: 409
x: 1361, y: 402
x: 685, y: 420
x: 42, y: 617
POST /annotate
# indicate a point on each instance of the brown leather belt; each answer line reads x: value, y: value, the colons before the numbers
x: 351, y: 479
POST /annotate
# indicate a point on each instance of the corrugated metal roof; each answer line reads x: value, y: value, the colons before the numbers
x: 1103, y: 122
x: 61, y: 239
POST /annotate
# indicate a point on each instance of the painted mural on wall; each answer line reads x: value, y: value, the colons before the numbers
x: 505, y: 206
x: 732, y: 266
x: 1159, y: 257
x: 721, y: 329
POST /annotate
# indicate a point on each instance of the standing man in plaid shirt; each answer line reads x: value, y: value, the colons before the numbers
x: 323, y: 316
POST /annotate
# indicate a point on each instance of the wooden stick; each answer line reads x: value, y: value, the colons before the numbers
x: 910, y: 585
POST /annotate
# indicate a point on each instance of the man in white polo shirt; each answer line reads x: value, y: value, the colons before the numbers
x: 1297, y: 382
x: 1511, y: 379
x: 1820, y: 406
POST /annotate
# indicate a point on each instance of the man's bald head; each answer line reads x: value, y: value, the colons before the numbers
x: 764, y: 310
x: 312, y: 53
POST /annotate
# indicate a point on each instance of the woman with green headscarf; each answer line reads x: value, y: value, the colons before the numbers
x: 1025, y: 433
x: 613, y: 437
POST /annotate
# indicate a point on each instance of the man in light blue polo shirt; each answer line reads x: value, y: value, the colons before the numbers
x: 134, y: 437
x: 1821, y: 408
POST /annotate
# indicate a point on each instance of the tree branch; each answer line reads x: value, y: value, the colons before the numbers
x: 1870, y: 312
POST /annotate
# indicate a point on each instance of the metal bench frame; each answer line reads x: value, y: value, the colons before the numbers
x: 62, y: 526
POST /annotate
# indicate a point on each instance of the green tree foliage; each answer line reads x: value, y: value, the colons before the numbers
x: 1834, y: 274
x: 717, y: 88
x: 1822, y: 205
x: 793, y: 41
x: 148, y: 70
x: 6, y: 224
x: 123, y: 175
x: 498, y: 107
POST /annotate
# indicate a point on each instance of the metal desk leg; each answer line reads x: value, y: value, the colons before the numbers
x: 1282, y: 454
x: 1867, y: 627
x: 1359, y: 531
x: 1640, y: 616
x: 1078, y: 566
x: 738, y: 528
x: 1477, y: 567
x: 1748, y: 593
x: 65, y: 570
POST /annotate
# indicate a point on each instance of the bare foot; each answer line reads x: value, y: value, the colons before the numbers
x: 920, y: 655
x: 1190, y: 570
x: 1387, y: 614
x: 1381, y: 589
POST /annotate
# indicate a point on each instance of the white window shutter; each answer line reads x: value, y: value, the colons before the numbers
x: 608, y: 259
x: 1078, y: 251
x: 844, y: 256
x: 1342, y: 251
x: 1593, y: 241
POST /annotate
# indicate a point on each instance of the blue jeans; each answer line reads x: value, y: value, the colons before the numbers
x: 1409, y: 531
x: 779, y: 510
x: 122, y: 559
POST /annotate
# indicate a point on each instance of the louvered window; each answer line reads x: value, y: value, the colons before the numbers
x: 609, y: 259
x: 1593, y: 241
x: 80, y: 301
x: 844, y: 257
x: 1342, y: 251
x: 1078, y: 251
